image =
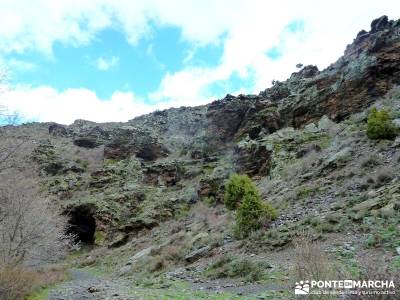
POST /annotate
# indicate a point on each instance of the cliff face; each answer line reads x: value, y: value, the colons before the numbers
x: 128, y: 178
x: 369, y: 68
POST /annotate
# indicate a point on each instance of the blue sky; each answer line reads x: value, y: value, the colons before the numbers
x: 110, y: 63
x: 109, y: 60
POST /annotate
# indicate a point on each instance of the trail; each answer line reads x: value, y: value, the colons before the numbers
x: 85, y: 285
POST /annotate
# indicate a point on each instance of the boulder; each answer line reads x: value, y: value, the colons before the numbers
x: 119, y: 240
x: 197, y: 254
x: 311, y: 128
x: 137, y: 259
x: 364, y: 207
x: 338, y: 158
x: 326, y: 124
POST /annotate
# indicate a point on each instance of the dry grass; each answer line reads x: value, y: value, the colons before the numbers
x: 377, y: 271
x: 370, y: 160
x: 201, y: 213
x: 18, y: 282
x: 311, y: 261
x: 384, y: 176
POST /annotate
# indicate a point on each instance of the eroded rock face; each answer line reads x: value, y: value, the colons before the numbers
x: 130, y: 141
x: 58, y: 130
x: 253, y: 158
x: 51, y: 163
x: 86, y: 142
x: 368, y: 69
x: 168, y: 174
x: 226, y: 116
x: 206, y: 136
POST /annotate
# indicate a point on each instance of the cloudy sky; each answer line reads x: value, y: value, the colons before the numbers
x: 111, y: 60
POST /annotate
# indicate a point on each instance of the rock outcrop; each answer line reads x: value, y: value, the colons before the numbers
x: 144, y: 171
x: 369, y: 68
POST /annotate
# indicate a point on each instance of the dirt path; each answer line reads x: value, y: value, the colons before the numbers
x: 85, y: 285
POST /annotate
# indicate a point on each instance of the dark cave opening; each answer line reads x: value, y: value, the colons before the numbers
x: 82, y: 224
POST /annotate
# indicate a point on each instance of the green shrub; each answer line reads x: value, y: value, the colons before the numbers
x: 247, y: 269
x: 229, y: 267
x: 252, y: 214
x: 380, y: 125
x: 237, y: 187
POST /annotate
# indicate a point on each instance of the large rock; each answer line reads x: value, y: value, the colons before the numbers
x: 139, y: 223
x: 135, y: 260
x: 197, y: 254
x: 338, y: 159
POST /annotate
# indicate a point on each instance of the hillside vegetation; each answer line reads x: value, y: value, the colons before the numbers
x: 237, y: 199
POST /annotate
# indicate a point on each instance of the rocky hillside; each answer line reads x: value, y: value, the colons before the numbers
x: 147, y: 195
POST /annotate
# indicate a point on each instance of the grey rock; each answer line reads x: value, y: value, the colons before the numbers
x: 396, y: 142
x: 311, y: 128
x: 337, y: 158
x: 139, y: 256
x: 396, y: 122
x: 197, y: 254
x: 325, y: 123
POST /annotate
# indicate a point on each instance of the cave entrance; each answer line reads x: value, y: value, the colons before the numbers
x: 82, y: 223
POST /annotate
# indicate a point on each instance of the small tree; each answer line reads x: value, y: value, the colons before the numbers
x: 252, y: 213
x: 380, y: 125
x: 236, y: 188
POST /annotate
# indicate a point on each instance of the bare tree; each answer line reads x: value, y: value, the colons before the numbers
x: 31, y: 230
x: 8, y: 149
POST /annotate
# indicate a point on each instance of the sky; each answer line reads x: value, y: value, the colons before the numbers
x: 112, y: 60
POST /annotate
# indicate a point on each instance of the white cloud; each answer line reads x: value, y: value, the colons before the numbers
x: 246, y: 29
x: 47, y: 104
x: 259, y: 26
x: 104, y: 64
